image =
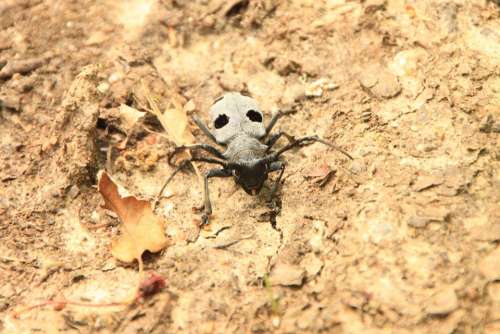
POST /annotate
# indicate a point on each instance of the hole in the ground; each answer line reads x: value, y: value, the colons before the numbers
x: 237, y: 8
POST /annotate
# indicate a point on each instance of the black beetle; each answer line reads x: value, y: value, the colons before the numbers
x: 239, y: 126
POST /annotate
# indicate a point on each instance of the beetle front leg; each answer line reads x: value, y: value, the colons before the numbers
x: 274, y: 138
x: 276, y: 166
x: 208, y: 148
x: 274, y: 118
x: 207, y: 205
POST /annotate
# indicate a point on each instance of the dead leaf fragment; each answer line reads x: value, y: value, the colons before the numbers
x: 129, y: 117
x: 141, y: 229
x: 175, y: 122
x: 287, y: 275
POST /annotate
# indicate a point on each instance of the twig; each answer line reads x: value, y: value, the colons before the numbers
x: 232, y: 242
x: 60, y: 304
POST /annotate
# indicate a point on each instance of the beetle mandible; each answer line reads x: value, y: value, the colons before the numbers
x: 238, y: 125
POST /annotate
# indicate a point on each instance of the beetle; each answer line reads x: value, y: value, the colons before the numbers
x: 238, y: 125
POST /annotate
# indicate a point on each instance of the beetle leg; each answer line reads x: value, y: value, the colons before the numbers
x: 208, y: 148
x: 204, y: 128
x: 180, y: 167
x: 274, y: 138
x: 305, y: 141
x: 207, y: 205
x: 272, y: 122
x: 167, y: 181
x: 202, y: 159
x: 276, y: 166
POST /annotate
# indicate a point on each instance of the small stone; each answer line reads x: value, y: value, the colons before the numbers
x: 103, y: 87
x: 314, y: 92
x: 418, y: 221
x: 355, y: 300
x: 316, y: 242
x: 380, y: 82
x: 492, y: 328
x: 406, y: 63
x: 7, y: 291
x: 387, y: 87
x: 96, y: 38
x: 287, y: 275
x: 4, y: 45
x: 285, y: 66
x: 190, y: 106
x: 494, y: 291
x: 368, y: 78
x: 489, y: 232
x: 114, y: 77
x: 489, y: 124
x: 109, y: 265
x: 94, y: 217
x: 430, y: 214
x: 490, y: 265
x: 371, y: 6
x: 13, y: 103
x: 307, y: 318
x: 443, y: 302
x: 357, y: 167
x: 292, y: 94
x: 312, y: 265
x: 316, y: 88
x: 73, y: 191
x: 427, y: 181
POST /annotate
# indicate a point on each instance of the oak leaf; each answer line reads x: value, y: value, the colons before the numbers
x: 141, y: 229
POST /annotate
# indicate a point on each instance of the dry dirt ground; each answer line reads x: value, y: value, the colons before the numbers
x: 403, y: 239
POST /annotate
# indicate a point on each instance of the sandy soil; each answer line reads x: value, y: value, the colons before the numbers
x: 403, y: 239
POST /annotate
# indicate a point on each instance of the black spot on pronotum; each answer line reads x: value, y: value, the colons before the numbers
x: 220, y: 121
x: 254, y: 116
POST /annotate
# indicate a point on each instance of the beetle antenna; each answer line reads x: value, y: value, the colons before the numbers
x: 299, y: 143
x: 167, y: 181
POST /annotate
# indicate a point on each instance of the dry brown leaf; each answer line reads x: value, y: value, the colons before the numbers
x: 141, y: 229
x: 175, y: 122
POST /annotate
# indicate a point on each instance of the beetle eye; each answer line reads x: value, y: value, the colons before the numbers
x: 220, y: 121
x: 254, y: 116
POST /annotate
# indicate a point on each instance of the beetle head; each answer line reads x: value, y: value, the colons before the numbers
x: 251, y: 176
